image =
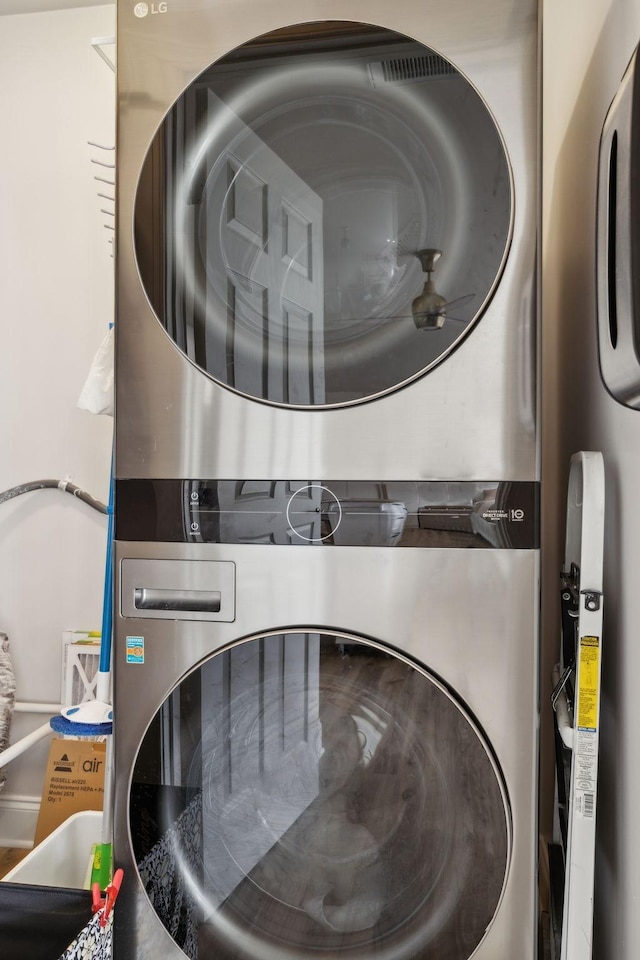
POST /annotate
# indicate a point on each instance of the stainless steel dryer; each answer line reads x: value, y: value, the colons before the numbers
x: 326, y: 239
x: 326, y: 721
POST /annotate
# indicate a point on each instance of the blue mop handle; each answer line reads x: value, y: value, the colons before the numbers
x: 104, y: 667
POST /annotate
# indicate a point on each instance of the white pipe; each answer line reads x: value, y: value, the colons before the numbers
x: 29, y: 706
x: 565, y: 725
x: 16, y: 749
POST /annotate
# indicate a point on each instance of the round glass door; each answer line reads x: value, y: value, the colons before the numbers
x: 316, y: 793
x: 323, y: 215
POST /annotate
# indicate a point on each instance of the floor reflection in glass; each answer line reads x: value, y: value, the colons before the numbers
x: 348, y: 805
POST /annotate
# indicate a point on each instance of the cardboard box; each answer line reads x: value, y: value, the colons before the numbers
x: 74, y: 781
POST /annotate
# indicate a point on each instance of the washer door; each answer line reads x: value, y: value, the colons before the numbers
x: 323, y: 215
x: 317, y: 793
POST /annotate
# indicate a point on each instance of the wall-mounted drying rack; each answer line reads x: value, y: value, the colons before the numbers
x: 99, y: 44
x: 106, y: 180
x: 105, y: 159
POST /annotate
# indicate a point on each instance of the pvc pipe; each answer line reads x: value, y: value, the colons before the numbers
x: 28, y: 706
x: 16, y: 749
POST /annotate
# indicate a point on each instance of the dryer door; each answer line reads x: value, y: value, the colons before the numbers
x: 304, y: 794
x: 323, y: 214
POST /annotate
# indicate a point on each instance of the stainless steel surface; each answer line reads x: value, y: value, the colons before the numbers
x: 173, y: 421
x: 475, y: 627
x: 180, y: 601
x: 192, y: 589
x: 618, y: 323
x: 467, y: 617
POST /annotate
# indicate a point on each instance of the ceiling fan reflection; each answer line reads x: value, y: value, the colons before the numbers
x: 429, y: 309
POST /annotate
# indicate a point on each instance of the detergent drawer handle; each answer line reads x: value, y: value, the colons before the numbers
x: 200, y: 601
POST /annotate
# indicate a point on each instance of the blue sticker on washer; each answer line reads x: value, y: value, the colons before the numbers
x: 135, y: 649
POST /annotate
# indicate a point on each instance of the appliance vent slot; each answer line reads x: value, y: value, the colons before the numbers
x: 410, y: 69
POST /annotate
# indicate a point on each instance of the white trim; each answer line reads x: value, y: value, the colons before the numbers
x: 18, y: 818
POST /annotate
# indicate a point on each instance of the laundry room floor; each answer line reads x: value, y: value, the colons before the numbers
x: 9, y: 857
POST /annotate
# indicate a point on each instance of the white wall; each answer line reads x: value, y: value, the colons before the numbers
x: 588, y: 44
x: 56, y: 300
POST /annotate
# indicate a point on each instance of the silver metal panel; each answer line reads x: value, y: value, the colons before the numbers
x: 617, y: 323
x: 470, y: 617
x: 472, y: 416
x: 164, y: 589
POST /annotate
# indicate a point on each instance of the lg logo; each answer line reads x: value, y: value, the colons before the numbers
x: 143, y: 9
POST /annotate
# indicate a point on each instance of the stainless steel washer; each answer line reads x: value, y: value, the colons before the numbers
x: 326, y: 720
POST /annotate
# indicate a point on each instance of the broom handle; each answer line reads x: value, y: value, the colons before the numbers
x: 103, y: 685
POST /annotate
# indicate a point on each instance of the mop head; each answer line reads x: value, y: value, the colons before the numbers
x: 89, y: 711
x: 69, y: 728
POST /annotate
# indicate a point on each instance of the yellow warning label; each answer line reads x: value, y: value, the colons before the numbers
x: 588, y: 683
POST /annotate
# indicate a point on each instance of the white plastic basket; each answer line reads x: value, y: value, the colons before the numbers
x: 63, y: 859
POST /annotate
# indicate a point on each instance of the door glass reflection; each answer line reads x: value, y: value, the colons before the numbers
x: 322, y: 216
x: 307, y: 793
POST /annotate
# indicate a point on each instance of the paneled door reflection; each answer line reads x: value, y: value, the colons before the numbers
x: 246, y: 257
x: 261, y: 740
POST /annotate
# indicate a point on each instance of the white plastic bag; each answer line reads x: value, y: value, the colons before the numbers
x: 97, y: 393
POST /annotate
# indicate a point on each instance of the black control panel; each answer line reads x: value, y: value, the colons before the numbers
x: 448, y: 514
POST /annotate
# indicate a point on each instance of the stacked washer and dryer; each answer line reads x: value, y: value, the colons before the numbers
x: 326, y: 624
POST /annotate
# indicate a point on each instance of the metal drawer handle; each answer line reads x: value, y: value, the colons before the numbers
x: 197, y: 601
